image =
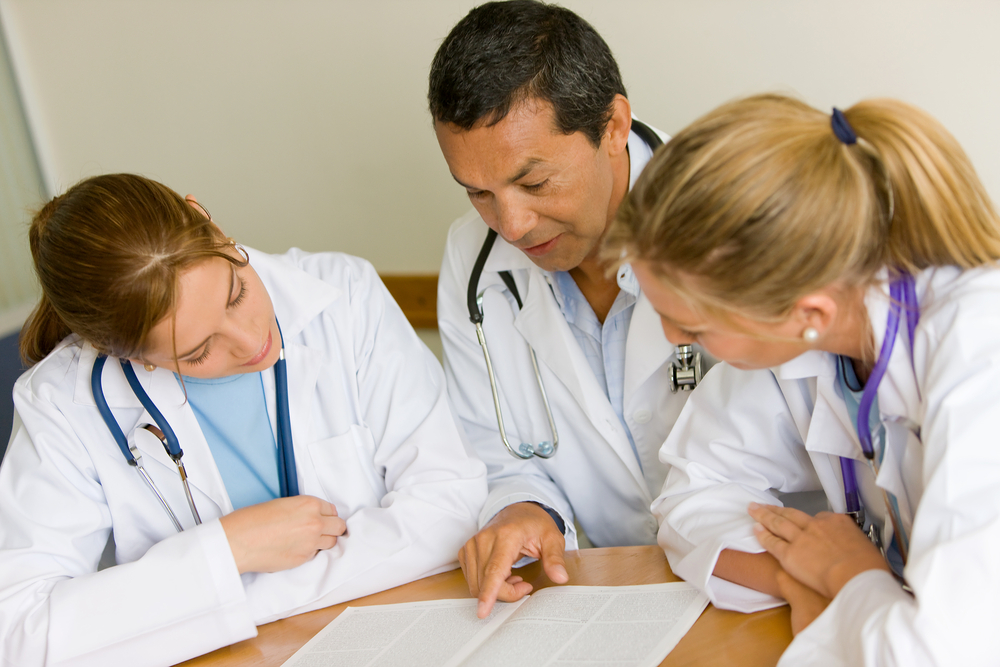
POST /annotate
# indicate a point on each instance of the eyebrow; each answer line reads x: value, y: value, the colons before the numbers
x: 685, y: 327
x: 524, y: 171
x: 232, y: 284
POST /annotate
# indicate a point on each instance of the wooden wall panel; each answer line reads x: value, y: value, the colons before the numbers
x: 416, y: 294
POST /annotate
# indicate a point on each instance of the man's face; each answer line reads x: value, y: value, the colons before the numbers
x: 548, y: 193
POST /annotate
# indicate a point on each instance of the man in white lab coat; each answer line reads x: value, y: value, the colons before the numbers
x: 532, y: 118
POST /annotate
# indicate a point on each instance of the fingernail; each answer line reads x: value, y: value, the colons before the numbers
x: 560, y: 572
x: 754, y: 506
x: 758, y: 528
x: 483, y: 610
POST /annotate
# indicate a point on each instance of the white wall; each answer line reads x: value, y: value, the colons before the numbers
x: 303, y: 122
x: 20, y: 192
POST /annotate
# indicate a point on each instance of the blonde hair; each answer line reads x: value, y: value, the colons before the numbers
x: 108, y: 254
x: 762, y: 204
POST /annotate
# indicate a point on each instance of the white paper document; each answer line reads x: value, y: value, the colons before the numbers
x: 608, y: 626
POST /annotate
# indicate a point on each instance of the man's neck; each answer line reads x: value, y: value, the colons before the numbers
x: 590, y: 276
x: 599, y: 290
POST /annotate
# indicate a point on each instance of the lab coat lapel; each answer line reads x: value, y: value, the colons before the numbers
x: 830, y: 430
x: 646, y: 349
x: 544, y: 328
x: 303, y: 374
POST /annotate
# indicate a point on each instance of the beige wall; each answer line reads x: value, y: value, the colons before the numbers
x: 301, y: 122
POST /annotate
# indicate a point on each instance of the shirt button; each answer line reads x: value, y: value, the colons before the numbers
x: 642, y: 416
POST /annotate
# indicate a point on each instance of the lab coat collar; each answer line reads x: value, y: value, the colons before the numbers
x: 646, y: 348
x: 830, y: 430
x: 639, y: 155
x: 297, y: 296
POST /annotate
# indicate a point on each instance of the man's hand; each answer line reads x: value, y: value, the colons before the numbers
x: 518, y: 530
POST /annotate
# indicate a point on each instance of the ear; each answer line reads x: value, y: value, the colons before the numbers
x: 616, y: 133
x: 190, y: 199
x: 817, y: 310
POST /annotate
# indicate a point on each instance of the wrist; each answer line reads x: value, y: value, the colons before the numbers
x: 554, y: 515
x: 842, y: 573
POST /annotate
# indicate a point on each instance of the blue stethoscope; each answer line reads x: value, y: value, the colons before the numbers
x: 287, y: 476
x: 902, y: 292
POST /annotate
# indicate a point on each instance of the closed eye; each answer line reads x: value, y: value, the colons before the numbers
x: 202, y: 357
x: 239, y: 297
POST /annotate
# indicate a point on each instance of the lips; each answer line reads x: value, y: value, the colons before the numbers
x: 264, y: 350
x: 542, y: 248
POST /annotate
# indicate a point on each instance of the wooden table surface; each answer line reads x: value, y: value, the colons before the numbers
x: 717, y: 638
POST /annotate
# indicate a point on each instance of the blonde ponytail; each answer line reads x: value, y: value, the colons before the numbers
x: 943, y: 214
x: 762, y: 203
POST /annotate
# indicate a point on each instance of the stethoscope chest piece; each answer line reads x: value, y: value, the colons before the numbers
x: 687, y: 371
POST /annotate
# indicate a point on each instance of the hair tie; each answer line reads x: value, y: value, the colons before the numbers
x: 841, y: 128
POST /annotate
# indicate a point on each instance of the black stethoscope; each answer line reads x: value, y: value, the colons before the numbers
x: 287, y: 474
x: 685, y: 373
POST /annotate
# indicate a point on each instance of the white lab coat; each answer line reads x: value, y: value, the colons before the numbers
x: 372, y: 434
x: 747, y: 435
x: 594, y: 476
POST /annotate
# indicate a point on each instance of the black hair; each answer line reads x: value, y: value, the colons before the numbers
x: 503, y: 53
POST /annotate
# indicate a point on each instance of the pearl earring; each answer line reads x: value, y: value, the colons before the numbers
x: 810, y: 335
x: 149, y: 367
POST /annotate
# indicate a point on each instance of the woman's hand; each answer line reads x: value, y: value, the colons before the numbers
x: 806, y: 604
x: 282, y: 533
x: 822, y: 552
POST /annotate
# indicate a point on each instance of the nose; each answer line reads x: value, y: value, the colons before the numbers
x: 513, y: 218
x: 675, y: 335
x: 246, y: 341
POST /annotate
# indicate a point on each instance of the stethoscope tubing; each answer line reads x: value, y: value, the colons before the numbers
x: 902, y: 294
x: 287, y: 471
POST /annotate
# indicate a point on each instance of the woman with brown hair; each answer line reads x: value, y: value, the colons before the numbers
x: 845, y: 266
x: 283, y: 438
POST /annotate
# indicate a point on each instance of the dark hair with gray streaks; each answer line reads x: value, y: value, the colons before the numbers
x: 504, y: 53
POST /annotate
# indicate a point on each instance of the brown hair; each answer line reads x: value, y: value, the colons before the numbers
x: 108, y: 253
x: 762, y: 203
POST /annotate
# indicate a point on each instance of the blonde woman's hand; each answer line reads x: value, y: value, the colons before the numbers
x: 282, y: 533
x: 806, y: 604
x: 822, y: 552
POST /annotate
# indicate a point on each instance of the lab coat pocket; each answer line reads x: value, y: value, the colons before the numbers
x: 346, y: 470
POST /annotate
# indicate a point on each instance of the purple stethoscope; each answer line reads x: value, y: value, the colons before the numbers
x: 903, y: 295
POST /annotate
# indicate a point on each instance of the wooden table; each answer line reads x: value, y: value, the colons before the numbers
x: 717, y: 638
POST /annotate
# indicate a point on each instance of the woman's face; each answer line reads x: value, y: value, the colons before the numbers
x: 744, y: 343
x: 225, y: 324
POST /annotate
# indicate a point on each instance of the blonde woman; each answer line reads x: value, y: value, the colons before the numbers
x: 845, y: 266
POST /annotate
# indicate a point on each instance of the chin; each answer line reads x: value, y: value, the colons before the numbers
x: 555, y: 261
x: 745, y: 366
